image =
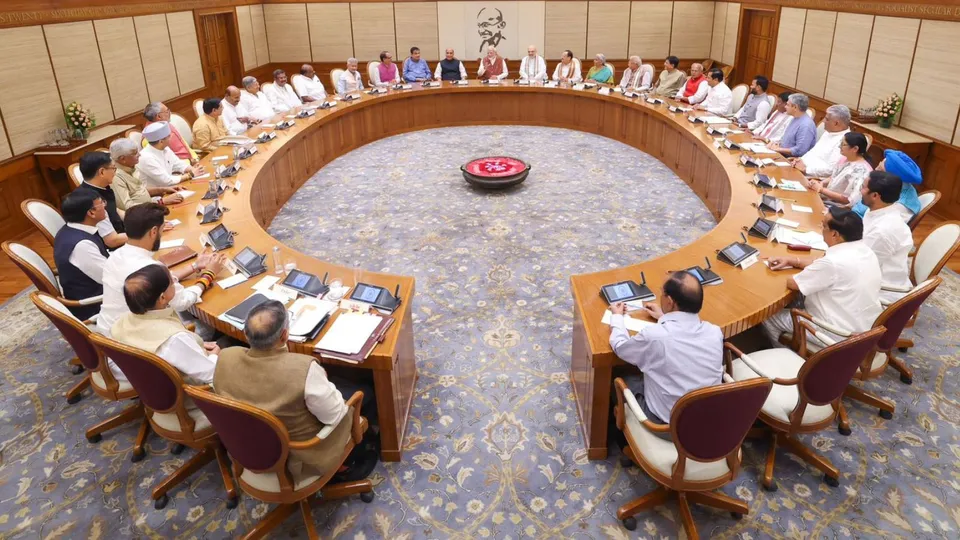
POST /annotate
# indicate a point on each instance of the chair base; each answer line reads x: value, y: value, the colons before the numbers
x: 336, y: 491
x: 206, y: 454
x: 793, y: 445
x: 906, y: 375
x: 736, y: 507
x: 74, y: 394
x: 95, y: 433
x: 76, y: 367
x: 886, y: 408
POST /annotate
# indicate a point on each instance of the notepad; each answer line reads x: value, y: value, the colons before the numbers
x: 265, y: 283
x: 235, y: 279
x: 202, y: 176
x: 803, y: 209
x: 632, y: 324
x: 788, y: 223
x: 186, y: 193
x: 167, y: 244
x: 350, y: 331
x: 811, y: 238
x: 791, y: 185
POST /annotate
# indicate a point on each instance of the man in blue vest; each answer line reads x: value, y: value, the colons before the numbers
x: 79, y: 251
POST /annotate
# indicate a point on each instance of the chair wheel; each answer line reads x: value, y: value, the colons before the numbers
x: 844, y: 431
x: 886, y: 415
x: 161, y: 503
x: 906, y: 379
x: 736, y: 515
x: 626, y: 462
x: 74, y: 399
x: 630, y: 523
x: 367, y: 497
x: 831, y: 481
x: 95, y: 439
x: 771, y: 488
x: 903, y: 349
x: 177, y: 449
x: 138, y: 456
x: 76, y: 370
x: 232, y: 502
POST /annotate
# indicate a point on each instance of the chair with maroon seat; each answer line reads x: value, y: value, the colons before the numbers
x: 98, y: 376
x: 259, y: 445
x: 160, y: 386
x: 707, y: 427
x: 41, y: 275
x: 806, y: 396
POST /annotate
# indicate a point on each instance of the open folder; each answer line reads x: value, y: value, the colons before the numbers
x: 353, y: 336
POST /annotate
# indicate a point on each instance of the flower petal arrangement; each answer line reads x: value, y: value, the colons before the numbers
x: 79, y: 119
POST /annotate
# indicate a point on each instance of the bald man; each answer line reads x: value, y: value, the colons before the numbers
x: 450, y: 68
x: 234, y: 120
x: 677, y: 355
x: 696, y: 88
x: 309, y: 86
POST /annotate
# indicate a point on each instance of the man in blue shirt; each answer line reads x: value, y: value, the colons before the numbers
x: 801, y: 134
x: 415, y: 69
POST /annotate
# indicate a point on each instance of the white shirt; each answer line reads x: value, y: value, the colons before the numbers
x: 571, y: 71
x: 891, y: 240
x: 636, y: 80
x: 822, y: 159
x: 350, y: 82
x: 230, y: 119
x: 842, y: 288
x: 763, y: 111
x: 281, y: 98
x: 533, y: 69
x: 86, y: 255
x: 254, y: 106
x: 184, y: 353
x: 719, y: 99
x: 437, y: 72
x: 503, y: 74
x: 160, y: 168
x: 310, y: 87
x: 702, y: 89
x: 322, y: 398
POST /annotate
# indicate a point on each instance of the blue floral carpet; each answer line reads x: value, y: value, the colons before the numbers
x: 493, y: 448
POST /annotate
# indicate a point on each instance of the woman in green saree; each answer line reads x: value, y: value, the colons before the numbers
x: 600, y: 72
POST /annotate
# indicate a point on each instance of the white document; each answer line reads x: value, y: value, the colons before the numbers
x: 713, y: 120
x: 185, y: 193
x: 757, y: 148
x: 238, y: 140
x: 235, y: 279
x: 749, y: 261
x: 202, y: 176
x: 349, y: 332
x: 174, y: 222
x: 782, y: 164
x: 788, y: 223
x: 604, y: 91
x: 307, y: 313
x: 800, y: 208
x: 791, y: 185
x: 632, y: 324
x: 220, y: 158
x: 811, y: 238
x: 578, y: 86
x: 265, y: 283
x: 167, y: 244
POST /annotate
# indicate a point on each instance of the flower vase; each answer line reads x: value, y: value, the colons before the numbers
x: 885, y: 122
x: 80, y: 134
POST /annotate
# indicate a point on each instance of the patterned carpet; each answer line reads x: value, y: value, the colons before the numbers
x: 493, y: 447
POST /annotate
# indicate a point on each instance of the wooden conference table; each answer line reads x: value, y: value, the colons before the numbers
x: 281, y: 166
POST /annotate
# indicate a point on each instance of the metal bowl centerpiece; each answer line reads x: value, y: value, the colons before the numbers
x: 495, y: 172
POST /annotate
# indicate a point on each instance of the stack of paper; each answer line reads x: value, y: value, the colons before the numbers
x: 757, y: 148
x: 350, y: 331
x: 791, y: 185
x: 307, y: 313
x: 713, y: 120
x: 632, y: 324
x: 811, y: 238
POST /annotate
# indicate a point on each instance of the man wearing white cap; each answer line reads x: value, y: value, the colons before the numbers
x: 159, y: 166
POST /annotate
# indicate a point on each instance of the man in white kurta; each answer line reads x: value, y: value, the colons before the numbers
x: 772, y: 130
x: 280, y: 94
x: 719, y: 98
x: 635, y: 79
x: 532, y: 67
x: 253, y: 102
x: 350, y: 80
x: 886, y: 233
x: 158, y: 165
x: 568, y: 70
x: 308, y: 85
x: 231, y: 120
x: 822, y: 159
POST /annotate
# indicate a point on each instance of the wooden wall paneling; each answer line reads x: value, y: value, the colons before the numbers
x: 933, y: 95
x: 186, y: 51
x: 890, y: 57
x: 157, y: 57
x: 851, y: 41
x: 731, y: 34
x: 650, y: 27
x: 121, y: 65
x: 76, y: 62
x: 815, y: 51
x: 719, y: 30
x: 451, y: 30
x: 30, y: 102
x: 692, y: 29
x: 608, y: 29
x: 416, y: 24
x: 789, y: 42
x: 956, y: 133
x: 288, y: 36
x: 374, y: 30
x: 260, y: 35
x: 5, y: 152
x: 565, y: 27
x: 331, y: 34
x: 248, y: 48
x: 531, y: 15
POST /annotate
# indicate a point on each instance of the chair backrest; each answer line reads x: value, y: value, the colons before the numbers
x: 74, y: 175
x: 773, y: 102
x: 135, y: 136
x: 296, y: 77
x: 898, y: 314
x: 183, y: 127
x: 373, y: 73
x: 645, y: 69
x: 707, y: 64
x: 869, y: 139
x: 826, y: 374
x: 34, y: 267
x: 44, y: 216
x: 935, y: 250
x: 927, y: 200
x: 812, y: 113
x: 198, y: 107
x: 613, y: 71
x: 711, y: 423
x: 335, y: 77
x: 727, y: 70
x: 739, y: 96
x: 821, y: 129
x: 74, y: 331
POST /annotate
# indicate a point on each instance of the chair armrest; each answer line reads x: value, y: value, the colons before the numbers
x: 825, y: 325
x: 355, y: 401
x: 728, y: 379
x: 631, y: 402
x: 92, y: 300
x: 894, y: 288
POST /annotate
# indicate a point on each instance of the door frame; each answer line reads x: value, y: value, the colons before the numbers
x: 233, y: 35
x: 743, y: 38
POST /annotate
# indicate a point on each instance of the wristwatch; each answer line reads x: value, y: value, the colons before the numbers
x: 195, y: 267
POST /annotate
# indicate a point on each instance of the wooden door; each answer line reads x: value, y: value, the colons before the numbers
x: 216, y: 42
x: 757, y: 44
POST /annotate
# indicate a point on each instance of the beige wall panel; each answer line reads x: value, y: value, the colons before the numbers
x: 260, y: 34
x: 789, y: 41
x: 815, y: 51
x: 121, y: 65
x: 30, y: 104
x: 287, y: 36
x: 719, y: 29
x: 933, y: 96
x: 889, y: 60
x: 416, y: 24
x: 248, y: 48
x: 531, y: 17
x: 331, y: 37
x: 608, y: 29
x: 452, y: 29
x: 186, y: 51
x: 730, y: 35
x: 157, y: 58
x: 650, y: 25
x: 374, y: 31
x: 692, y: 29
x: 76, y: 62
x: 565, y: 27
x: 5, y: 152
x: 851, y: 40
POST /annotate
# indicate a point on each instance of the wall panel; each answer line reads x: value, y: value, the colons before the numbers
x: 416, y: 24
x: 30, y: 105
x: 452, y: 29
x: 121, y: 65
x: 692, y: 29
x: 851, y: 41
x: 331, y: 36
x: 260, y: 34
x: 76, y: 63
x: 565, y: 27
x: 374, y: 31
x: 891, y: 54
x: 157, y: 57
x: 186, y: 51
x: 815, y: 51
x: 719, y: 30
x: 248, y: 48
x: 287, y: 36
x: 608, y: 29
x: 650, y: 26
x: 531, y: 16
x: 789, y: 41
x: 933, y: 96
x: 730, y: 34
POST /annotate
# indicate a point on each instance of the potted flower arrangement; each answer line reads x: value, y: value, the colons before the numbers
x: 887, y: 110
x: 79, y: 120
